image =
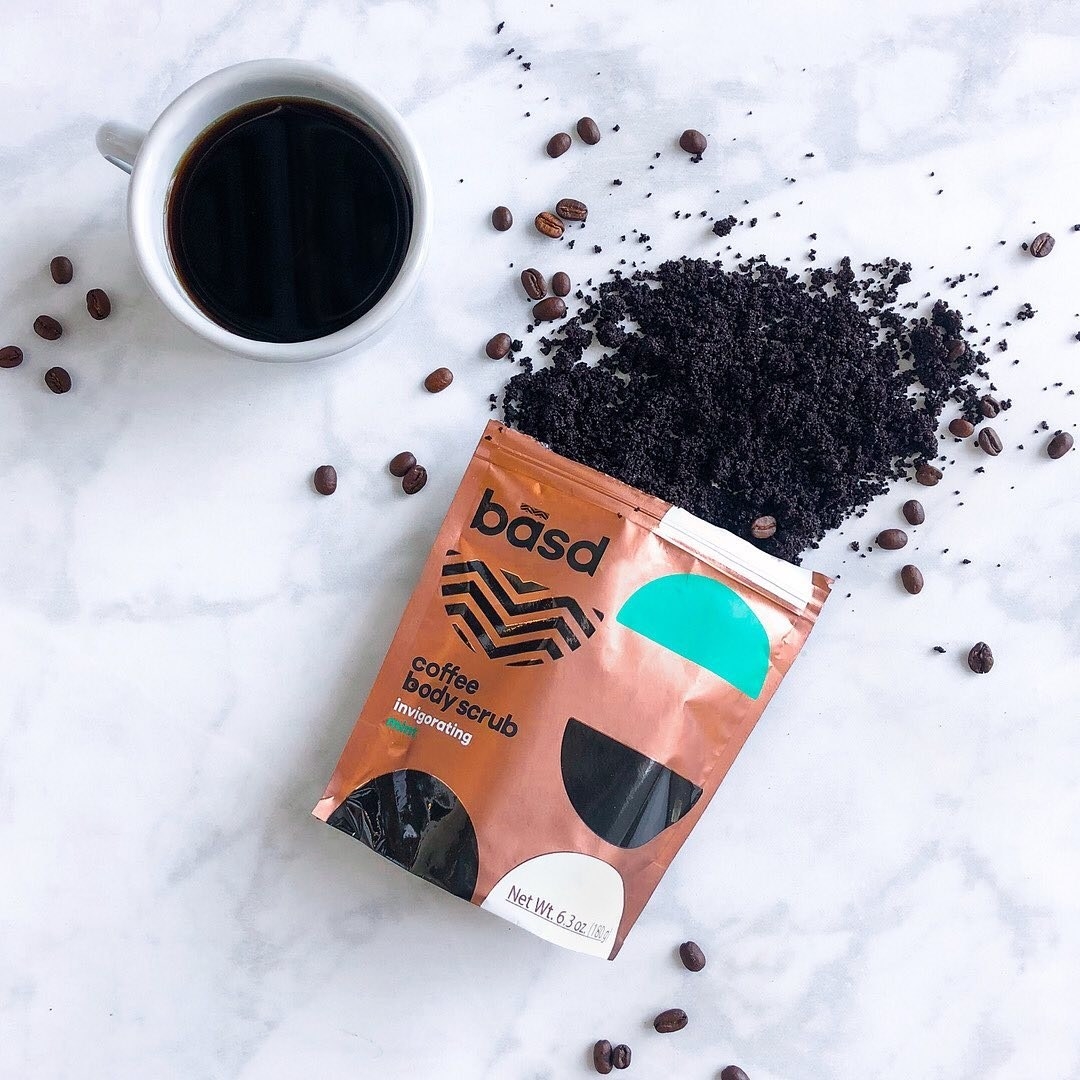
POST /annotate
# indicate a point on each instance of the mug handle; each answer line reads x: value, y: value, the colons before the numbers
x: 120, y: 143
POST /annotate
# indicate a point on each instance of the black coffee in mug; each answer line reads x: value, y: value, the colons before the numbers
x: 288, y: 219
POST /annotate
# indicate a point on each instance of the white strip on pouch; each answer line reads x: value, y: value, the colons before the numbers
x: 791, y: 585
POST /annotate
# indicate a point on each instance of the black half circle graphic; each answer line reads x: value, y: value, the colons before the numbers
x: 415, y: 820
x: 625, y: 797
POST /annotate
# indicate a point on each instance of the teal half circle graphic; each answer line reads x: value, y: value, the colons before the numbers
x: 705, y: 622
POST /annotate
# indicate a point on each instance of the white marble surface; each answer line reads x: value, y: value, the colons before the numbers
x: 887, y: 882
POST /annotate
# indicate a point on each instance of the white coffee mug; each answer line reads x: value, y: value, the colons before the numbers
x: 152, y: 158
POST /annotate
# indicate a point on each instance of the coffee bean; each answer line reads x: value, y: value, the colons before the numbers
x: 601, y: 1057
x: 587, y: 130
x: 438, y: 380
x: 501, y: 218
x: 957, y: 348
x: 498, y: 346
x: 693, y: 142
x: 733, y: 1072
x: 414, y: 480
x: 670, y: 1020
x: 58, y: 380
x: 532, y: 281
x: 558, y: 144
x: 914, y: 514
x: 548, y: 224
x: 620, y: 1056
x: 401, y: 463
x: 98, y: 304
x: 554, y: 307
x: 980, y: 658
x: 45, y: 326
x: 892, y: 539
x: 912, y: 578
x: 1057, y: 447
x: 61, y: 269
x: 571, y: 210
x: 560, y: 284
x: 10, y: 356
x: 691, y: 955
x: 761, y: 528
x: 990, y: 441
x: 325, y: 479
x: 989, y: 406
x: 961, y: 428
x: 927, y: 475
x: 1042, y: 245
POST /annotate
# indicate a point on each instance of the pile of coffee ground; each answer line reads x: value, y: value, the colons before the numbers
x: 750, y: 391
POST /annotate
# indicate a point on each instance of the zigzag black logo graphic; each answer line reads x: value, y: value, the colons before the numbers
x: 541, y: 514
x: 484, y: 611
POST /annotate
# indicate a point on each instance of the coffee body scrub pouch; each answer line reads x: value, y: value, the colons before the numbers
x: 572, y: 678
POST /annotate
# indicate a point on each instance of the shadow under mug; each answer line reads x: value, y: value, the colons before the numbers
x: 152, y: 159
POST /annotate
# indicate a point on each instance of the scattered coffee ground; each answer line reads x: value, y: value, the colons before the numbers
x: 620, y: 1056
x: 601, y: 1057
x: 805, y: 420
x: 691, y: 955
x: 61, y: 270
x: 939, y: 648
x: 325, y: 480
x: 98, y: 304
x: 401, y: 463
x: 11, y: 356
x: 723, y: 226
x: 58, y: 380
x: 670, y: 1020
x: 45, y: 326
x: 414, y: 480
x: 438, y: 380
x: 980, y: 659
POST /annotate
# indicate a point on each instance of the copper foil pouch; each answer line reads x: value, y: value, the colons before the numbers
x: 573, y: 676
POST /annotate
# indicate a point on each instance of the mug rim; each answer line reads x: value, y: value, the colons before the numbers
x: 144, y: 220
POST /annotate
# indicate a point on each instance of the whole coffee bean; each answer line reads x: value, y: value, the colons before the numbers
x: 693, y: 142
x: 980, y: 658
x: 571, y: 210
x: 990, y: 441
x: 501, y: 218
x: 560, y: 284
x: 961, y: 428
x: 554, y: 307
x: 601, y: 1057
x: 548, y: 224
x: 912, y: 578
x: 401, y: 463
x: 10, y: 356
x: 558, y: 144
x: 761, y: 528
x: 1042, y: 245
x: 98, y: 304
x: 620, y: 1056
x: 691, y: 955
x: 587, y: 130
x: 733, y: 1072
x: 670, y: 1020
x: 1057, y: 447
x: 989, y: 406
x: 957, y: 348
x: 532, y: 281
x: 892, y: 539
x: 325, y: 479
x: 438, y: 380
x: 414, y: 480
x: 498, y: 346
x: 45, y: 326
x: 914, y: 514
x: 927, y: 475
x: 58, y: 380
x: 61, y: 269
